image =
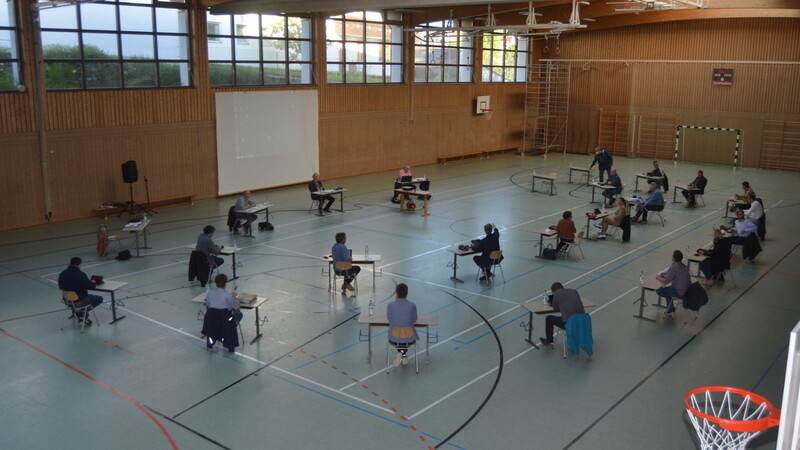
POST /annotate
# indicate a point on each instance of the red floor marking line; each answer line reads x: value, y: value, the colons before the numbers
x: 394, y: 410
x: 344, y: 373
x: 412, y: 427
x: 76, y: 370
x: 375, y: 394
x: 404, y: 418
x: 364, y: 386
x: 313, y: 356
x: 323, y: 361
x: 422, y: 438
x: 117, y: 346
x: 334, y: 367
x: 386, y: 402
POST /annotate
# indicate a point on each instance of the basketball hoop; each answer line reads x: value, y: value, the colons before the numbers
x: 726, y: 417
x: 487, y: 113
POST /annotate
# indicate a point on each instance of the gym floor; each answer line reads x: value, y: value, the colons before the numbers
x: 149, y: 382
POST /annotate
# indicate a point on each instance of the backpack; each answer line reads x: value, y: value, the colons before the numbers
x: 549, y: 252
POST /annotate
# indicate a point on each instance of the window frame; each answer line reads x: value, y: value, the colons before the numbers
x: 517, y: 67
x: 358, y: 63
x: 424, y: 43
x: 125, y: 65
x: 15, y: 63
x: 263, y: 65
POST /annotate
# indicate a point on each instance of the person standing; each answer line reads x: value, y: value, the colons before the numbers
x: 402, y: 314
x: 242, y: 203
x: 699, y: 184
x: 604, y: 161
x: 315, y: 186
x: 340, y: 253
x: 205, y: 245
x: 75, y: 280
x: 678, y: 275
x: 569, y: 303
x: 487, y: 245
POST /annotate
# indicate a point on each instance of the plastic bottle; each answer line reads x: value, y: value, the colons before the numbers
x: 641, y: 278
x: 371, y: 306
x: 366, y: 250
x: 688, y: 251
x: 544, y: 298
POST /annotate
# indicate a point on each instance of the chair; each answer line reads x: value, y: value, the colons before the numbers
x: 104, y: 240
x: 314, y: 201
x: 233, y: 223
x: 201, y: 314
x: 727, y: 273
x: 567, y: 249
x: 496, y: 257
x: 69, y: 298
x: 200, y: 268
x: 580, y: 326
x: 344, y: 266
x: 402, y: 333
x: 699, y: 197
x: 658, y: 215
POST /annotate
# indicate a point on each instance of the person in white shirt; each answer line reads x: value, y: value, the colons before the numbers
x: 756, y: 209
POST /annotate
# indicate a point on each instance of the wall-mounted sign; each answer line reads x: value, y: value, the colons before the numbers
x: 722, y: 77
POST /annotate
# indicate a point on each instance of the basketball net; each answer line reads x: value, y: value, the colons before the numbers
x: 487, y: 113
x: 728, y: 418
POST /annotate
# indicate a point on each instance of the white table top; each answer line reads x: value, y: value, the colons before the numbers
x: 546, y: 232
x: 460, y: 252
x: 580, y: 169
x: 138, y: 227
x: 255, y: 304
x: 380, y: 318
x: 651, y: 177
x: 685, y: 187
x: 357, y: 258
x: 225, y: 250
x: 601, y: 186
x: 593, y: 216
x: 110, y: 286
x: 417, y: 192
x: 328, y: 191
x: 258, y: 208
x: 545, y: 176
x: 538, y: 307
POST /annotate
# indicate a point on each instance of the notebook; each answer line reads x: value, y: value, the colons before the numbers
x: 246, y: 298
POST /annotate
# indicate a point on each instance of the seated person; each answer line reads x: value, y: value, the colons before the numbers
x: 568, y: 302
x: 742, y: 199
x: 206, y: 246
x: 405, y: 176
x: 222, y: 316
x: 719, y: 258
x: 615, y: 220
x: 657, y: 172
x: 745, y: 235
x: 565, y: 230
x: 74, y: 280
x: 678, y: 275
x: 654, y: 202
x: 756, y: 209
x: 401, y: 313
x: 242, y: 203
x: 315, y: 186
x: 339, y: 252
x: 490, y: 243
x: 699, y: 183
x: 613, y: 180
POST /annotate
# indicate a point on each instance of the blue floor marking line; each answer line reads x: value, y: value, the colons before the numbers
x: 33, y: 278
x: 770, y: 366
x: 346, y: 347
x: 496, y: 328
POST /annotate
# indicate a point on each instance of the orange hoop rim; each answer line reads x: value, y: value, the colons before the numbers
x: 741, y: 426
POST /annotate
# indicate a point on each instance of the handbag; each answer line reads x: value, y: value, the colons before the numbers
x: 549, y: 252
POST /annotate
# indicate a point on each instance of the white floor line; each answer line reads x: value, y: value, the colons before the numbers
x: 452, y: 393
x: 320, y: 385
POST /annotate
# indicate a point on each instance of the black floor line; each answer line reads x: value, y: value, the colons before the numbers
x: 675, y: 353
x: 255, y: 372
x: 189, y: 429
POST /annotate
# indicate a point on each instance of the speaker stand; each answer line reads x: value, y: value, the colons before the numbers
x: 130, y: 205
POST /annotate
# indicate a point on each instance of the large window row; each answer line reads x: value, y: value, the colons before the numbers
x: 259, y: 49
x: 110, y: 44
x: 9, y: 54
x: 146, y: 44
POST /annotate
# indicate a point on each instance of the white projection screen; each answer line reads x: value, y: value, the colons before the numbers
x: 266, y: 139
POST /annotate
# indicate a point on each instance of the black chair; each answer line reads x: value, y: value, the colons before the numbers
x: 233, y: 222
x: 762, y: 222
x: 219, y: 325
x: 199, y: 268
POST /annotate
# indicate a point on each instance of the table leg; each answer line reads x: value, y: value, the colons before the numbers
x: 588, y: 220
x: 541, y: 245
x: 552, y: 185
x: 636, y: 187
x: 427, y: 344
x: 455, y: 268
x: 136, y: 242
x: 373, y: 276
x: 402, y: 202
x: 258, y: 328
x: 341, y: 201
x: 533, y: 184
x: 114, y: 310
x: 592, y: 193
x: 530, y: 330
x: 570, y: 176
x: 425, y: 206
x: 330, y: 267
x: 641, y: 307
x: 233, y: 257
x: 369, y: 342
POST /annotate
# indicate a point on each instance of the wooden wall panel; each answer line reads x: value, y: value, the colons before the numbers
x: 20, y: 181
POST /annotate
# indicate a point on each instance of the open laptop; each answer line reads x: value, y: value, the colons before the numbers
x: 97, y: 279
x: 405, y: 179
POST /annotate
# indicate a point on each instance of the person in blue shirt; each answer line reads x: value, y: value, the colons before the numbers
x: 401, y: 313
x: 613, y: 180
x: 75, y: 280
x: 654, y: 202
x: 340, y: 253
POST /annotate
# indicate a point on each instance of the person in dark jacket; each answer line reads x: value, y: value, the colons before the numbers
x: 699, y: 183
x: 75, y: 280
x: 315, y: 186
x: 719, y: 258
x: 486, y: 246
x: 604, y: 160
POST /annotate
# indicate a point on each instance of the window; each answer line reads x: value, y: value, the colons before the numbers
x: 364, y: 47
x: 116, y: 44
x: 505, y: 58
x: 259, y: 49
x: 9, y: 55
x: 442, y: 57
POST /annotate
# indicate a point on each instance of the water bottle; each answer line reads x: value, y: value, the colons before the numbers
x: 371, y: 306
x: 366, y: 250
x: 641, y: 278
x: 544, y: 298
x: 688, y: 251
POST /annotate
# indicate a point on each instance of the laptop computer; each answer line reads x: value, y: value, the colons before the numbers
x: 97, y: 279
x: 405, y: 179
